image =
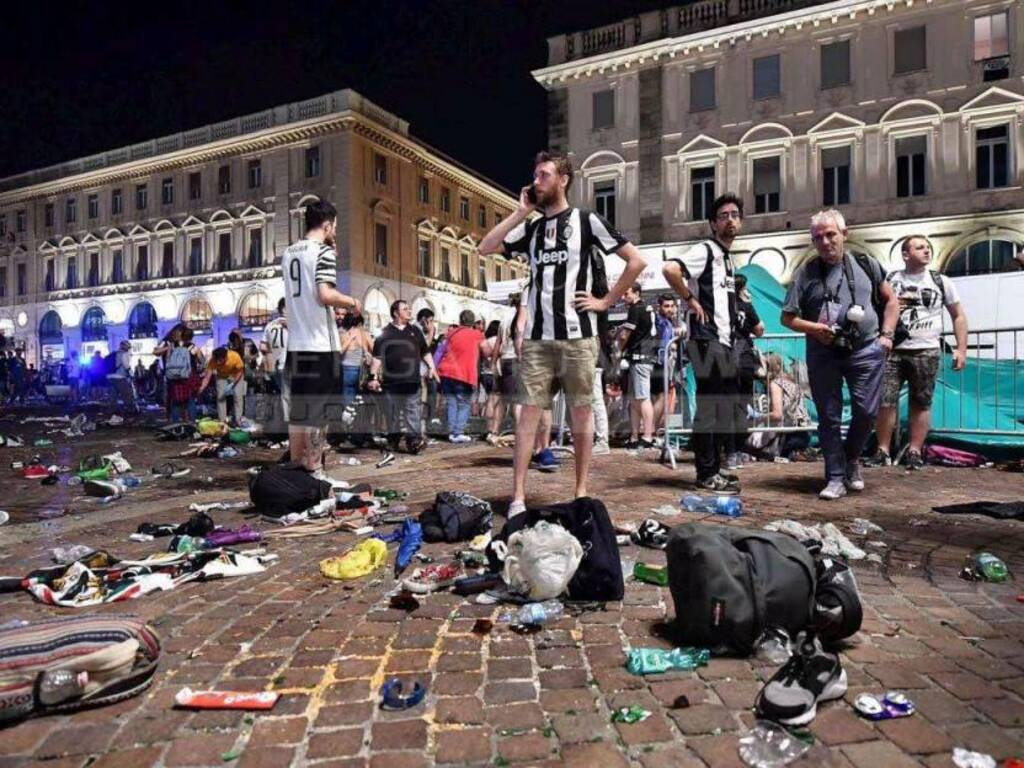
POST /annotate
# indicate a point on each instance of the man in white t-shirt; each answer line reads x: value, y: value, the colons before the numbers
x: 916, y: 348
x: 275, y: 348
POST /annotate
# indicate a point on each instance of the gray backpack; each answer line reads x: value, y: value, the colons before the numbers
x: 730, y: 584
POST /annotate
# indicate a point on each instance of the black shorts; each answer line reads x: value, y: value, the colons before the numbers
x: 487, y: 382
x: 509, y: 378
x: 314, y: 386
x: 657, y: 381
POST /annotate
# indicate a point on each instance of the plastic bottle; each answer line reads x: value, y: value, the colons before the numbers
x: 652, y: 574
x: 131, y: 481
x: 57, y: 685
x: 988, y: 567
x: 729, y: 506
x: 538, y: 613
x: 768, y: 744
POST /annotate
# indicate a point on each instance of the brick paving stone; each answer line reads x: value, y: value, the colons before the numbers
x: 349, y: 668
x: 719, y: 751
x: 670, y: 756
x: 195, y: 751
x: 128, y: 758
x: 592, y: 756
x: 737, y: 694
x: 405, y: 661
x: 840, y: 726
x: 335, y: 743
x: 468, y: 745
x: 496, y: 694
x: 345, y: 714
x: 459, y: 662
x: 559, y: 657
x: 667, y: 691
x: 605, y: 656
x: 459, y: 710
x: 582, y: 727
x: 264, y: 757
x: 24, y: 736
x: 722, y: 669
x: 509, y: 646
x: 915, y: 735
x: 1009, y: 713
x: 510, y: 669
x: 968, y: 686
x: 524, y: 748
x: 399, y: 760
x: 271, y: 732
x: 553, y: 679
x: 401, y: 734
x: 703, y: 718
x: 515, y: 716
x: 874, y: 754
x: 76, y: 741
x: 570, y: 699
x: 458, y: 684
x: 348, y: 690
x: 895, y: 676
x: 990, y: 669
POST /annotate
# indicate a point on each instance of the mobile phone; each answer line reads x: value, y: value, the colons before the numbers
x: 531, y: 194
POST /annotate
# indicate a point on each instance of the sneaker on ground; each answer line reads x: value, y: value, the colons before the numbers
x: 601, y: 448
x: 732, y: 461
x: 387, y: 458
x: 169, y: 469
x: 432, y: 577
x: 646, y: 445
x: 854, y: 479
x: 102, y: 489
x: 811, y: 676
x: 545, y: 461
x: 913, y: 460
x: 878, y: 459
x: 461, y: 439
x: 718, y: 484
x: 35, y: 472
x: 631, y: 445
x: 835, y: 489
x: 516, y: 507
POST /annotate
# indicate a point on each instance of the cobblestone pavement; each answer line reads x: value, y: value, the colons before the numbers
x: 956, y: 648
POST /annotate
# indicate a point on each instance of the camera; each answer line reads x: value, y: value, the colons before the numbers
x: 845, y: 337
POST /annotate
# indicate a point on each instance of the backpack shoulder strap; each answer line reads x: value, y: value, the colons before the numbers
x: 940, y: 284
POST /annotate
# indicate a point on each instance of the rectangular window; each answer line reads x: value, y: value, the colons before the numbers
x: 167, y: 262
x: 702, y: 192
x: 446, y: 265
x: 991, y: 39
x: 767, y: 185
x: 224, y: 252
x: 835, y: 166
x: 117, y: 271
x: 255, y: 174
x: 48, y: 215
x: 423, y: 259
x: 3, y: 282
x: 380, y: 244
x: 312, y: 162
x: 911, y: 156
x: 195, y: 256
x: 71, y: 279
x: 464, y: 208
x: 22, y: 282
x: 142, y: 262
x: 604, y: 109
x: 424, y: 193
x: 195, y: 186
x: 167, y: 192
x: 224, y: 180
x: 141, y: 197
x: 116, y: 202
x: 50, y: 276
x: 481, y: 282
x: 909, y: 50
x: 992, y: 157
x: 702, y: 90
x: 465, y: 277
x: 835, y: 64
x: 498, y: 218
x: 767, y: 77
x: 70, y: 210
x: 255, y: 247
x: 604, y: 200
x: 446, y: 200
x: 380, y: 168
x: 481, y: 217
x: 20, y: 219
x: 94, y: 206
x: 94, y: 270
x: 3, y: 225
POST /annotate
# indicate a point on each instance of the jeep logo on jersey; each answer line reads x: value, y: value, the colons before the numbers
x: 552, y: 257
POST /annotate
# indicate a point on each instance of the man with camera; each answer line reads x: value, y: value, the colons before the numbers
x: 848, y: 312
x: 922, y: 294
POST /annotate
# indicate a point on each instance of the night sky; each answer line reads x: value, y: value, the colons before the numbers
x: 82, y: 77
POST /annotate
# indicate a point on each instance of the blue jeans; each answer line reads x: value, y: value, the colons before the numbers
x: 349, y: 383
x: 458, y: 396
x: 188, y: 407
x: 862, y: 371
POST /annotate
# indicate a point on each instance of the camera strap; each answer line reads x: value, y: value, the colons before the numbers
x: 847, y: 274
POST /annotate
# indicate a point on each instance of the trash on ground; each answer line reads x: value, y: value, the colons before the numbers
x: 652, y: 574
x: 263, y: 700
x: 1001, y: 510
x: 474, y: 585
x: 984, y: 566
x: 862, y: 527
x: 768, y: 745
x: 774, y: 646
x: 432, y: 577
x: 391, y: 695
x: 651, y: 661
x: 682, y: 701
x: 965, y: 758
x: 4, y: 517
x: 666, y: 510
x: 540, y: 561
x: 632, y: 714
x: 364, y: 558
x: 482, y: 627
x: 404, y: 601
x: 651, y: 533
x: 874, y: 558
x: 833, y: 542
x: 535, y: 614
x: 892, y: 705
x: 730, y: 506
x: 65, y: 555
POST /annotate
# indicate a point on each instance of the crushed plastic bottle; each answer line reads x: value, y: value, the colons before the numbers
x: 774, y: 646
x: 729, y: 506
x: 862, y: 527
x: 965, y: 758
x: 57, y: 685
x: 768, y: 745
x: 70, y: 554
x: 538, y: 613
x: 651, y: 661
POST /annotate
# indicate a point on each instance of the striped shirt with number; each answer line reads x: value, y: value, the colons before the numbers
x: 311, y: 327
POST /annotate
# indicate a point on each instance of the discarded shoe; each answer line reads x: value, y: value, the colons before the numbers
x: 811, y: 675
x: 102, y: 489
x: 169, y: 469
x: 432, y: 578
x: 651, y: 533
x: 366, y: 557
x: 35, y: 472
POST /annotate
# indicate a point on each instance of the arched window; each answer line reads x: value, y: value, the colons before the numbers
x: 197, y: 315
x: 772, y: 260
x: 255, y: 310
x: 142, y: 321
x: 50, y: 329
x: 981, y: 258
x: 94, y: 325
x: 377, y: 308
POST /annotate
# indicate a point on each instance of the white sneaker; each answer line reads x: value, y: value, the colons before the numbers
x: 516, y: 507
x: 854, y: 479
x: 601, y: 448
x: 459, y: 439
x: 834, y: 490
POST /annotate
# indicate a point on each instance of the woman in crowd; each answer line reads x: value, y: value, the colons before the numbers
x: 786, y: 408
x: 488, y: 374
x: 356, y: 350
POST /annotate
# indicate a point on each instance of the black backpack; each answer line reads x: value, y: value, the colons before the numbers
x: 280, y: 490
x: 599, y: 575
x: 730, y: 584
x: 455, y: 516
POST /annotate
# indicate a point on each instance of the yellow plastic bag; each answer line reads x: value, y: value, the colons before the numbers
x: 364, y: 558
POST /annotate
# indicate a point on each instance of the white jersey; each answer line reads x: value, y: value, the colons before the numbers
x: 275, y: 336
x: 921, y: 302
x: 311, y: 327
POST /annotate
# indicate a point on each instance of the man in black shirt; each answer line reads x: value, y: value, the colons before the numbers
x: 748, y: 326
x: 639, y: 344
x: 397, y: 354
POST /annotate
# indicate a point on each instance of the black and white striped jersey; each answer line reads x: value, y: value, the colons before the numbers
x: 311, y: 326
x: 562, y: 251
x: 710, y: 272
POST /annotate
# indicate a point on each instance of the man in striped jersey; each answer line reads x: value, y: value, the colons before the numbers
x: 312, y: 364
x: 568, y: 289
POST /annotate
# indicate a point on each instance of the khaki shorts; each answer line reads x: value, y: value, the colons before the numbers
x: 572, y: 364
x: 919, y: 368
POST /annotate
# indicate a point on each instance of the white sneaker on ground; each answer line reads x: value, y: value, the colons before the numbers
x: 835, y: 489
x: 516, y: 507
x: 601, y: 448
x: 854, y: 479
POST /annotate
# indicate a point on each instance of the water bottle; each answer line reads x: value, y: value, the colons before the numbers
x: 57, y: 685
x: 131, y: 481
x: 988, y: 567
x: 538, y: 613
x: 729, y: 506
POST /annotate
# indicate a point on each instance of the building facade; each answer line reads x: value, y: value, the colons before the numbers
x: 191, y: 227
x: 908, y: 116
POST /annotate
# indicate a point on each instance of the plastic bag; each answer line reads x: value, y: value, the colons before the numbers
x: 768, y: 745
x: 541, y: 560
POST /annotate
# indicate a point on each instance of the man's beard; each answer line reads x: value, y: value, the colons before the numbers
x: 546, y: 199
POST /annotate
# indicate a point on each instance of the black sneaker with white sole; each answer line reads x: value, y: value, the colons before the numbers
x: 812, y: 675
x: 387, y: 457
x: 718, y: 484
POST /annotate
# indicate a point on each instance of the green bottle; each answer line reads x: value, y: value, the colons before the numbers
x: 988, y: 567
x: 652, y: 574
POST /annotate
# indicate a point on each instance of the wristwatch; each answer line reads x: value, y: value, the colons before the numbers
x: 887, y: 334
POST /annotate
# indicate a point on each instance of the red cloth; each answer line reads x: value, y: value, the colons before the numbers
x: 462, y: 360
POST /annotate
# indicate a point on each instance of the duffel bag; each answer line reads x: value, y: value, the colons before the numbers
x: 456, y: 516
x: 286, y: 488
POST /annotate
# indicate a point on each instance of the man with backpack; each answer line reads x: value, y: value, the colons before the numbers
x: 915, y: 359
x: 848, y: 312
x: 568, y: 289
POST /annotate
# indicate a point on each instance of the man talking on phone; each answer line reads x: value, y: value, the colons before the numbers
x: 568, y: 289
